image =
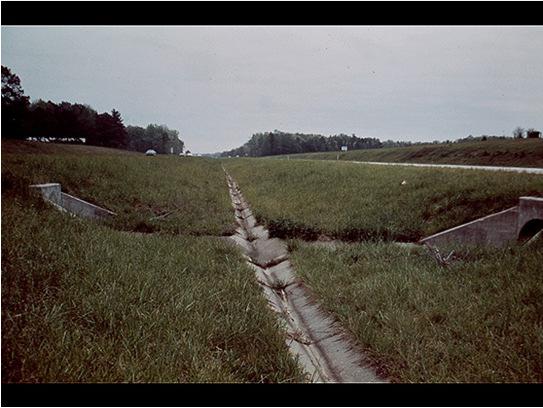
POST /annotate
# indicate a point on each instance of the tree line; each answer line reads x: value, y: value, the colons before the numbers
x: 76, y: 123
x: 277, y: 142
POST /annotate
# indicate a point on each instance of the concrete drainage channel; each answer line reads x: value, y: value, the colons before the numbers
x: 324, y: 350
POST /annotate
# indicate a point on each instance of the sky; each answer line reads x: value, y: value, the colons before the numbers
x: 218, y: 85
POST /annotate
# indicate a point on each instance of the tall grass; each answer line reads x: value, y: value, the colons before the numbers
x: 516, y: 153
x: 177, y: 195
x: 84, y: 303
x: 355, y: 201
x: 478, y: 320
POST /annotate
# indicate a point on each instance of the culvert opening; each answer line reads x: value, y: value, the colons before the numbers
x: 530, y: 229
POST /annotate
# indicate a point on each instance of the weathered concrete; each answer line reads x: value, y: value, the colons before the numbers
x: 496, y: 230
x: 323, y: 349
x: 52, y: 193
x: 268, y: 252
x: 84, y: 209
x: 530, y: 208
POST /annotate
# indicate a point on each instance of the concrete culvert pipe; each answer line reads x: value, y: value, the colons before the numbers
x: 530, y: 229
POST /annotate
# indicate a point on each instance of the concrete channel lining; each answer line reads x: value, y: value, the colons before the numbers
x: 324, y: 350
x: 52, y: 193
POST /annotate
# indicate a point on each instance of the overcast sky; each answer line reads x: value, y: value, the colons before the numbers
x: 219, y: 85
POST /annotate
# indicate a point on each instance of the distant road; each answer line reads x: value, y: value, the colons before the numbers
x: 463, y: 166
x: 455, y: 166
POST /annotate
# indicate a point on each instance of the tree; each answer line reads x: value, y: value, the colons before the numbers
x: 518, y: 132
x: 136, y: 139
x: 110, y: 131
x: 64, y: 122
x: 157, y: 137
x: 42, y: 120
x: 277, y: 142
x: 532, y: 133
x: 14, y: 105
x: 77, y: 123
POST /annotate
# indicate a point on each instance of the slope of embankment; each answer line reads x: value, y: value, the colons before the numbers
x: 511, y: 152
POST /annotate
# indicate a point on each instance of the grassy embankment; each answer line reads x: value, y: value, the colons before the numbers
x: 478, y: 320
x: 514, y: 153
x: 178, y: 195
x: 82, y: 302
x: 301, y: 199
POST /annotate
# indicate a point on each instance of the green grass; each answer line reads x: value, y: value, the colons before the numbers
x: 82, y: 302
x: 10, y: 146
x: 515, y: 153
x: 85, y: 302
x: 354, y: 201
x: 478, y: 320
x: 190, y: 193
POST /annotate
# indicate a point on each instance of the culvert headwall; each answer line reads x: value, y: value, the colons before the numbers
x: 495, y: 230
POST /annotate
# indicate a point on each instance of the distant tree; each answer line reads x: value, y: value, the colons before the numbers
x: 484, y: 139
x: 518, y: 132
x: 110, y: 131
x: 532, y: 133
x: 277, y: 142
x: 14, y: 105
x: 137, y: 140
x: 157, y: 137
x: 63, y: 122
x: 42, y: 120
x: 77, y: 123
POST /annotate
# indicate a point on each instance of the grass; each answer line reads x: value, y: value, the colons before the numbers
x: 354, y: 201
x: 82, y: 302
x: 171, y: 194
x: 85, y: 302
x: 27, y: 147
x: 515, y: 153
x: 478, y: 320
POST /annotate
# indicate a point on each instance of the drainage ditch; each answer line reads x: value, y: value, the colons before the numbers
x: 325, y: 351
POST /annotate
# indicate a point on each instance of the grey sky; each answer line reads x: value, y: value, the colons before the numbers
x: 219, y: 85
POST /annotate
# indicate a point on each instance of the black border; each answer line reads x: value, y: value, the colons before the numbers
x: 270, y: 13
x: 317, y: 395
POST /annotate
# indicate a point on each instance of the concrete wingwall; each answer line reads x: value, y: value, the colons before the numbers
x: 496, y: 230
x: 52, y: 192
